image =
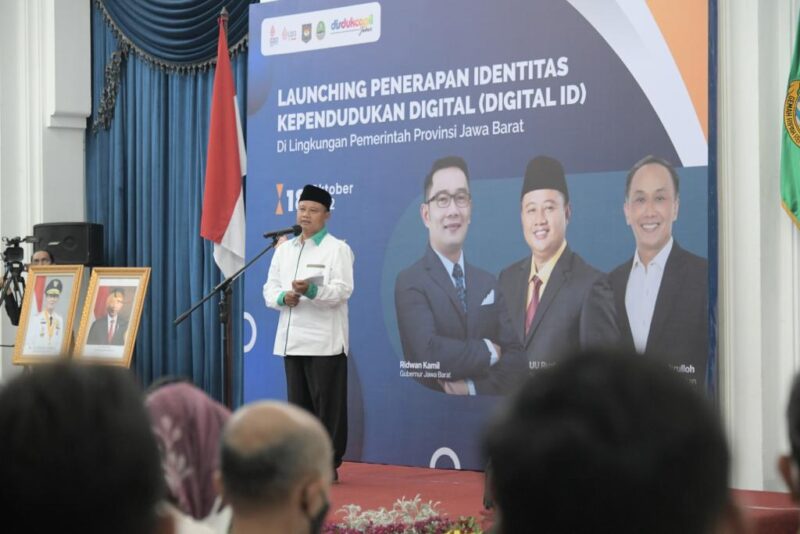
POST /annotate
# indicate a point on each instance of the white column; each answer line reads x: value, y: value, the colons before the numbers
x: 758, y: 244
x: 67, y: 39
x: 739, y: 237
x: 45, y: 98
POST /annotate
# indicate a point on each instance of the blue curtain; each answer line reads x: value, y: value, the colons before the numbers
x: 144, y: 183
x: 175, y: 32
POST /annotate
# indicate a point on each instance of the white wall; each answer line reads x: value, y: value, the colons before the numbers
x: 44, y: 101
x: 758, y: 243
x: 44, y: 98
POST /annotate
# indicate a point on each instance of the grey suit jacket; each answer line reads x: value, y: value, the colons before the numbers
x: 679, y: 328
x: 576, y: 310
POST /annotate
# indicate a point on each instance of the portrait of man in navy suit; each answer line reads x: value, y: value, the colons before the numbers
x: 453, y: 323
x: 111, y: 328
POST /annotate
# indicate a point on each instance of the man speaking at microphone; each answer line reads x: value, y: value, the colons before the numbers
x: 309, y: 281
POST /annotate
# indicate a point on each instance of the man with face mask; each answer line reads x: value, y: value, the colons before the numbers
x: 276, y: 469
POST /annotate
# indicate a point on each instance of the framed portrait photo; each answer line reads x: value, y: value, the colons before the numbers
x: 44, y: 333
x: 111, y: 314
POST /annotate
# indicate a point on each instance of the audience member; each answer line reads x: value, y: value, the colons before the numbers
x: 610, y: 443
x: 42, y: 257
x: 188, y: 425
x: 789, y: 464
x: 78, y: 454
x: 275, y: 470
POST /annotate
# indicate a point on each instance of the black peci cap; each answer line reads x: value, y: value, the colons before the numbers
x: 317, y: 194
x: 544, y: 172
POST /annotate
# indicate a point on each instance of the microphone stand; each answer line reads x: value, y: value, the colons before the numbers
x: 224, y: 289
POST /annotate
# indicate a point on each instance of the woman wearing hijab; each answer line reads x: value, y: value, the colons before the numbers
x: 187, y: 424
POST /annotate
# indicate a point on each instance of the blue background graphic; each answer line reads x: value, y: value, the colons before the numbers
x: 393, y: 419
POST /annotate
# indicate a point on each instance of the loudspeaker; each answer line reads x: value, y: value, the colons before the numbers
x: 71, y: 243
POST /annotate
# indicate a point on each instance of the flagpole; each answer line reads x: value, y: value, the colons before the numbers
x: 225, y: 301
x: 222, y: 220
x: 225, y: 319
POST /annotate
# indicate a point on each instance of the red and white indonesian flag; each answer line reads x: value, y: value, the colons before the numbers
x: 223, y: 201
x: 38, y: 292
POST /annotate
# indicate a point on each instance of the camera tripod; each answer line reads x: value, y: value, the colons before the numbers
x: 13, y: 288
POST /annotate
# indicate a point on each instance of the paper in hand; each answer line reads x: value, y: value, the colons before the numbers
x: 316, y: 280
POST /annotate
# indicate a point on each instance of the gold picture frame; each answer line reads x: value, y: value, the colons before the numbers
x: 44, y: 333
x: 111, y: 314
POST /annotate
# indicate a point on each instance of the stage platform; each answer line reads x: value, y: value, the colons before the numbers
x: 373, y: 486
x: 460, y: 493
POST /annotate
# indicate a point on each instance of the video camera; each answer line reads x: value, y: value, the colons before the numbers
x: 12, y: 286
x: 13, y: 253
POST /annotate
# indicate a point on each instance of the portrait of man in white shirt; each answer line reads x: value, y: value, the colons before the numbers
x: 661, y: 293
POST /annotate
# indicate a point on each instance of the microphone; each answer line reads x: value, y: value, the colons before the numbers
x: 294, y: 230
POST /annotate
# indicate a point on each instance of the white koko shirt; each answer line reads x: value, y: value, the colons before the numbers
x: 318, y: 325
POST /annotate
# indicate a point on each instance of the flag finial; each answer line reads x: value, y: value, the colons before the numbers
x: 223, y: 16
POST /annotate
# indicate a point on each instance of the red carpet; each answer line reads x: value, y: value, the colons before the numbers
x: 373, y: 486
x: 460, y: 493
x: 769, y: 512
